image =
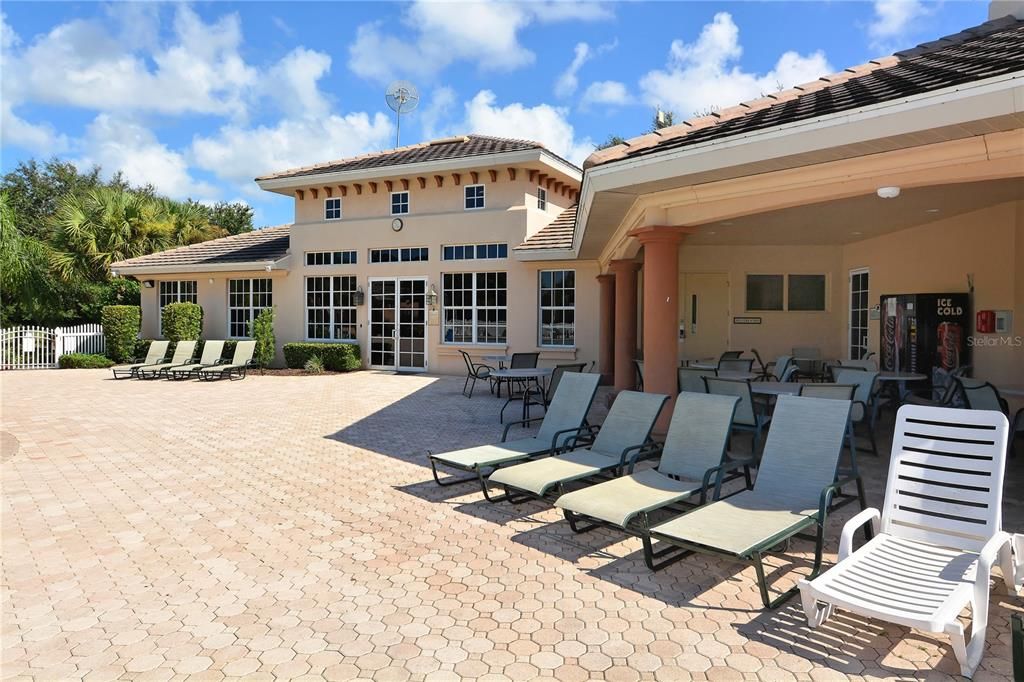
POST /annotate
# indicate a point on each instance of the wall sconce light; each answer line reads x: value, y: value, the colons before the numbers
x: 148, y: 283
x: 432, y: 296
x: 267, y: 268
x: 358, y: 297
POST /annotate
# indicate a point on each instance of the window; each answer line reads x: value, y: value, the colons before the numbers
x: 331, y: 258
x: 176, y: 292
x: 764, y: 292
x: 542, y: 199
x: 332, y: 209
x: 475, y: 251
x: 330, y: 308
x: 406, y: 255
x: 475, y: 307
x: 246, y: 298
x: 474, y: 197
x: 859, y: 307
x: 806, y: 292
x: 557, y: 307
x: 399, y: 203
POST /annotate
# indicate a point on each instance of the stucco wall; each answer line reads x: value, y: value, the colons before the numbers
x: 938, y: 257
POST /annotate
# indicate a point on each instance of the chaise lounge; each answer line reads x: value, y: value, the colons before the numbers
x: 184, y: 351
x: 156, y: 352
x: 212, y: 350
x: 236, y: 369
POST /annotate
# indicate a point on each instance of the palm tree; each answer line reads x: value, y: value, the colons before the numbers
x: 22, y: 258
x: 190, y: 222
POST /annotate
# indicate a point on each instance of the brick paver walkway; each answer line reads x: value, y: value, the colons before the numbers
x: 287, y: 527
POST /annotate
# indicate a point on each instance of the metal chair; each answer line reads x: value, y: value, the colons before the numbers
x: 776, y: 369
x: 809, y: 362
x: 866, y: 401
x: 741, y: 365
x: 839, y: 392
x: 638, y: 365
x: 762, y: 369
x: 981, y: 395
x: 518, y: 361
x: 534, y: 395
x: 750, y: 416
x: 474, y: 371
x: 691, y: 379
x: 731, y: 355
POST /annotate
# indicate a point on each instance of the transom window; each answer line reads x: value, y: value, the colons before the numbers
x: 475, y: 251
x: 332, y: 208
x: 331, y: 258
x: 786, y: 292
x: 542, y: 199
x: 474, y: 197
x: 475, y: 307
x: 399, y: 203
x: 330, y: 308
x: 246, y: 298
x: 557, y: 307
x: 404, y: 255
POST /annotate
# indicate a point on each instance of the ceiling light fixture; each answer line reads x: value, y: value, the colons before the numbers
x: 888, y: 192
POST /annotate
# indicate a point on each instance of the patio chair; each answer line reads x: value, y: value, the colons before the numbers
x: 212, y: 350
x: 776, y: 369
x: 730, y: 355
x: 751, y: 416
x: 944, y: 395
x: 474, y: 371
x: 638, y: 365
x: 739, y: 365
x: 981, y: 395
x: 863, y: 363
x: 156, y: 352
x: 564, y: 418
x: 184, y: 351
x: 866, y: 400
x: 534, y: 395
x: 1017, y: 639
x: 795, y: 483
x: 936, y: 537
x: 518, y: 361
x: 692, y: 462
x: 691, y: 379
x: 809, y: 363
x: 761, y: 370
x: 841, y: 392
x: 625, y: 434
x: 240, y: 362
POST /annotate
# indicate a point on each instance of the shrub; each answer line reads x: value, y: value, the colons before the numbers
x: 121, y: 324
x: 314, y: 365
x: 261, y: 330
x: 181, y: 321
x: 84, y: 361
x: 337, y: 357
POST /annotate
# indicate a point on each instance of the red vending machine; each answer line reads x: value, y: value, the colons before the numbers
x: 925, y: 334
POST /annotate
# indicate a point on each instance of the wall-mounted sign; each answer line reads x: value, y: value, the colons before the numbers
x: 746, y: 320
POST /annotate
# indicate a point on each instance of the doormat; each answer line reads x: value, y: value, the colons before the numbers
x: 408, y: 374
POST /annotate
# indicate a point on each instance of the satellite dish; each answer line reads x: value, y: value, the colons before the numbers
x: 402, y: 97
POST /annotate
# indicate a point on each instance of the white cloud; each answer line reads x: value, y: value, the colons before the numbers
x: 437, y: 110
x: 293, y: 81
x: 238, y: 154
x: 125, y: 145
x: 612, y: 93
x: 37, y: 138
x: 705, y: 74
x: 484, y: 33
x: 893, y: 19
x: 568, y: 80
x: 541, y: 123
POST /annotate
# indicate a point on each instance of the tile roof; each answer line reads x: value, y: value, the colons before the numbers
x: 992, y: 49
x: 267, y: 244
x: 464, y: 146
x: 557, y: 235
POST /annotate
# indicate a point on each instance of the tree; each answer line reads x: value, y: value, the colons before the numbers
x: 22, y: 264
x: 34, y: 191
x: 612, y: 141
x: 261, y: 330
x: 233, y: 218
x: 189, y: 222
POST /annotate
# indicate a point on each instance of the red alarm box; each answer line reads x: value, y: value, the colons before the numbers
x: 985, y: 322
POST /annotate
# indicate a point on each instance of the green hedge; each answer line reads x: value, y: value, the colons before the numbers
x: 84, y: 361
x: 337, y: 357
x: 121, y: 324
x: 142, y: 346
x: 181, y: 321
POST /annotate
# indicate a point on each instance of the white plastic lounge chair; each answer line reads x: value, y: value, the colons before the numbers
x: 793, y: 491
x: 156, y: 352
x: 626, y: 432
x: 212, y: 350
x: 693, y: 462
x: 941, y: 531
x: 184, y: 351
x: 236, y: 369
x: 564, y: 419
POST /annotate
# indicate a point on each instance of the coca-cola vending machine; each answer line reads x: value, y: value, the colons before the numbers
x: 925, y: 334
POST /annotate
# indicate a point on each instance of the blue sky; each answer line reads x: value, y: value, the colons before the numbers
x: 197, y: 99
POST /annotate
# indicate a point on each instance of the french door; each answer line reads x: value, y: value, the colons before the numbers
x: 859, y: 306
x: 398, y: 323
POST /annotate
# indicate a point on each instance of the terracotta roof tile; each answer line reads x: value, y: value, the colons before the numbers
x: 464, y: 146
x: 267, y: 244
x: 991, y: 49
x: 557, y: 235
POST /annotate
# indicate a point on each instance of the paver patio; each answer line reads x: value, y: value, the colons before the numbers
x: 288, y: 526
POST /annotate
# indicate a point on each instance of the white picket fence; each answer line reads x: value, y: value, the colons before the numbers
x: 41, y: 347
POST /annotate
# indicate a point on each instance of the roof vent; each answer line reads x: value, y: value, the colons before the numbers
x: 449, y: 140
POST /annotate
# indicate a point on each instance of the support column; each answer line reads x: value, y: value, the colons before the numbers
x: 625, y: 322
x: 606, y: 353
x: 661, y: 311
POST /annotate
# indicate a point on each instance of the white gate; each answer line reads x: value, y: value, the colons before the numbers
x: 40, y: 348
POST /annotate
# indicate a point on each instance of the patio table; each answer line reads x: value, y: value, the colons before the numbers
x: 703, y: 364
x: 775, y: 387
x: 536, y: 375
x: 738, y: 376
x: 901, y: 379
x: 502, y: 360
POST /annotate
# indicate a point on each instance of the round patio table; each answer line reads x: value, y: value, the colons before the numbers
x: 901, y: 379
x: 703, y: 364
x: 536, y: 375
x: 737, y: 376
x: 776, y: 387
x: 500, y: 359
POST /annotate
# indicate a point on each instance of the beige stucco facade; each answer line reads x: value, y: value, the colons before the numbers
x: 436, y: 218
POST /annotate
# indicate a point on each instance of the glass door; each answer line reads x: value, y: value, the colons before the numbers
x: 398, y: 324
x: 858, y: 314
